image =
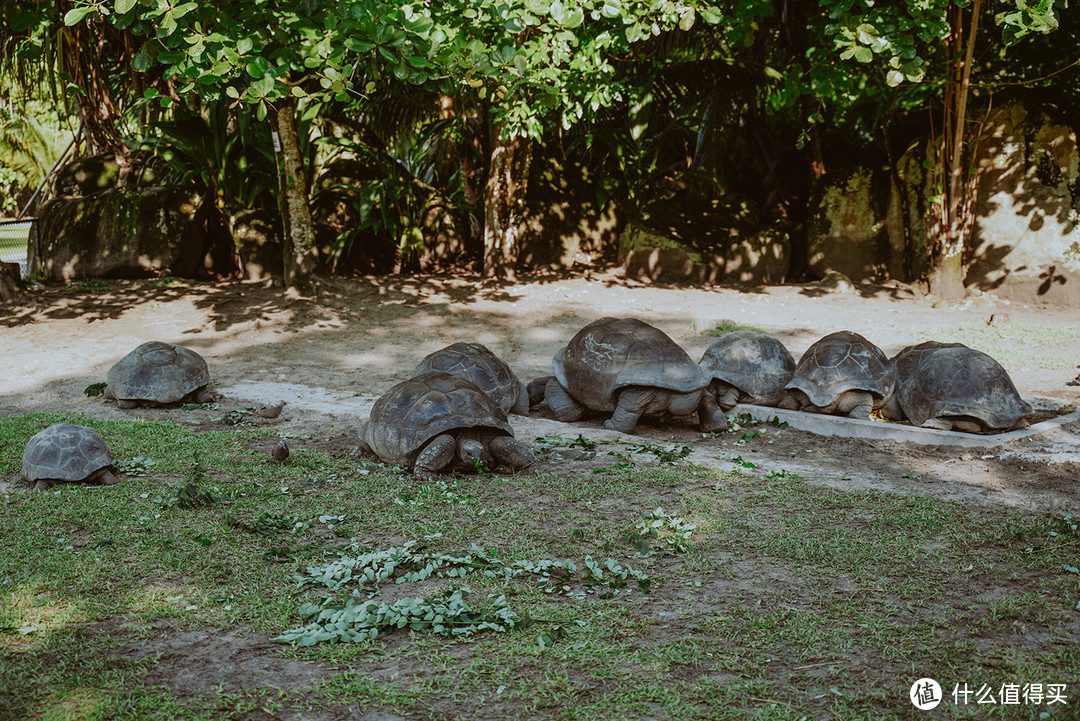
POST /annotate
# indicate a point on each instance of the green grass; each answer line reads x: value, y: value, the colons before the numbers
x: 792, y: 600
x: 727, y: 326
x: 1031, y: 345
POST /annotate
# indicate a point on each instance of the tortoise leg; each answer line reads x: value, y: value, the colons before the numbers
x: 536, y: 389
x: 43, y: 485
x: 939, y: 424
x: 435, y: 457
x: 711, y: 416
x: 511, y: 452
x: 524, y: 401
x: 106, y: 478
x: 632, y: 403
x: 855, y: 404
x: 727, y: 396
x: 968, y: 426
x: 362, y: 448
x: 565, y: 408
x: 790, y: 402
x: 205, y: 395
x: 126, y: 404
x: 892, y: 409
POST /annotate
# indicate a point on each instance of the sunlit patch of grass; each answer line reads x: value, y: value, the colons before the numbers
x: 29, y: 613
x: 1023, y: 344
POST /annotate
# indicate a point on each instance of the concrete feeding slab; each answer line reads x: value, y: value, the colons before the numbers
x: 842, y: 426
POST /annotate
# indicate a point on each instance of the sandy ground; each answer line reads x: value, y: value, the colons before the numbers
x: 329, y: 357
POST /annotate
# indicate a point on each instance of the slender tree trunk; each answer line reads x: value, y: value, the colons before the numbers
x: 955, y: 226
x: 300, y: 251
x: 504, y: 205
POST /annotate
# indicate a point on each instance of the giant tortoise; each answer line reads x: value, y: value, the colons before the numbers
x: 628, y: 368
x: 159, y: 373
x: 843, y: 374
x: 66, y: 453
x: 437, y: 421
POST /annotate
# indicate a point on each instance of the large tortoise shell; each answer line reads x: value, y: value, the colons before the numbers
x: 840, y: 362
x: 610, y: 354
x: 157, y: 372
x: 65, y: 452
x: 416, y: 410
x: 756, y: 363
x: 476, y: 363
x: 962, y: 382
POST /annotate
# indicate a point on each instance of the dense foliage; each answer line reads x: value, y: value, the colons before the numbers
x: 440, y: 105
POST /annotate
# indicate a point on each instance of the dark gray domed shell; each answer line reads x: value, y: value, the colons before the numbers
x: 962, y: 383
x: 612, y: 353
x: 65, y: 452
x: 416, y: 410
x: 756, y: 363
x: 908, y: 360
x: 476, y: 363
x: 157, y: 372
x: 840, y: 362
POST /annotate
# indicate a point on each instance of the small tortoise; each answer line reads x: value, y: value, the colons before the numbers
x: 747, y: 366
x: 904, y: 364
x: 629, y: 368
x: 474, y: 362
x: 843, y: 374
x: 436, y: 421
x: 962, y: 389
x: 64, y: 453
x: 158, y: 373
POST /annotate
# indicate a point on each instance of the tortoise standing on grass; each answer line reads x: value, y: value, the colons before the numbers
x: 65, y: 453
x: 476, y: 363
x: 437, y: 421
x: 748, y: 366
x: 842, y: 374
x: 628, y: 368
x: 962, y: 389
x: 158, y: 373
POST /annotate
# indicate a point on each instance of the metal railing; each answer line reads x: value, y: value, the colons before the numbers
x: 14, y: 241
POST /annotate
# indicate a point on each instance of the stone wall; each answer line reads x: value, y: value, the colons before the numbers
x: 1027, y: 227
x: 874, y: 223
x: 119, y: 233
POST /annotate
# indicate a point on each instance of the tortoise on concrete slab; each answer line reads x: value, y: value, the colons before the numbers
x: 159, y: 373
x: 629, y: 368
x: 962, y: 389
x: 904, y: 364
x: 748, y: 366
x: 476, y: 363
x: 65, y: 453
x: 437, y: 421
x: 842, y: 374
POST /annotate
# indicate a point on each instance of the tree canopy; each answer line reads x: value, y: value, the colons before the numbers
x: 533, y: 70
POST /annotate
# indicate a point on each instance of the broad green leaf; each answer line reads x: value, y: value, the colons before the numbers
x: 894, y: 78
x: 244, y: 45
x: 863, y: 55
x: 143, y: 60
x: 123, y: 6
x: 75, y: 15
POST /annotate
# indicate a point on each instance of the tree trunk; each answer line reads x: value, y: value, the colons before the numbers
x: 957, y: 200
x: 10, y: 282
x: 504, y: 205
x: 300, y: 252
